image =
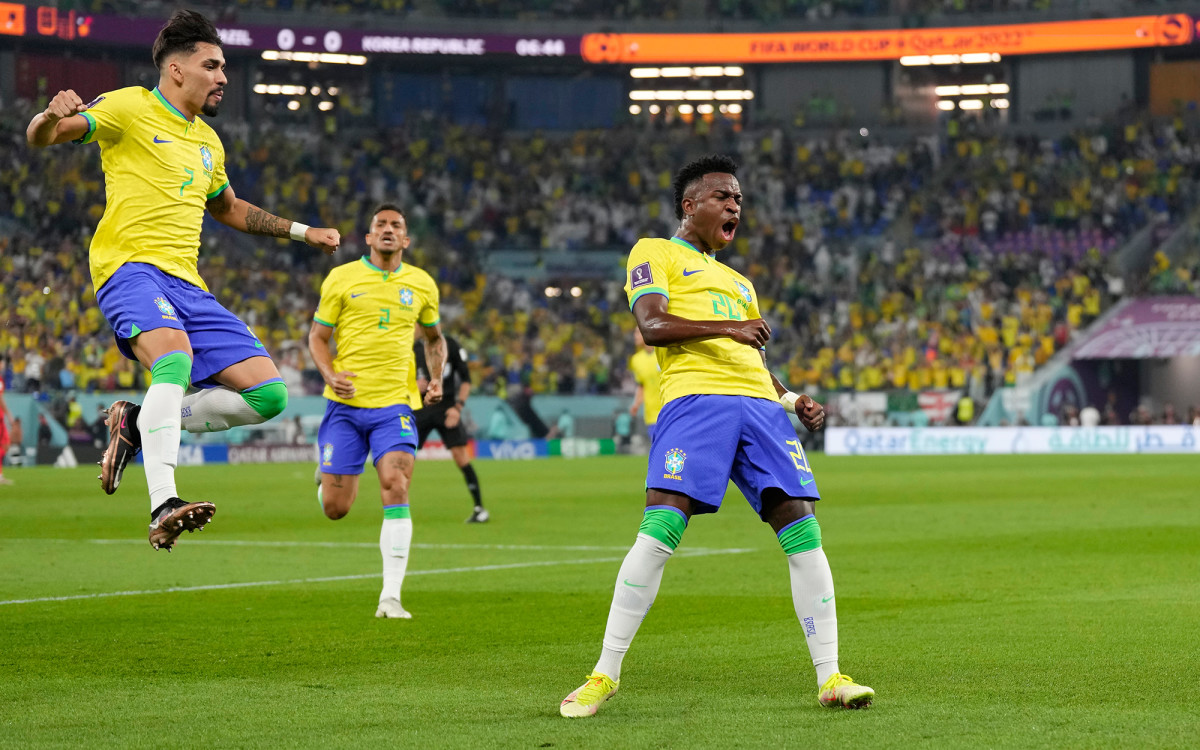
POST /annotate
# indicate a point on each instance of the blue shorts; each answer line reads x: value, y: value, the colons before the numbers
x: 701, y: 442
x: 348, y: 432
x: 650, y: 431
x: 140, y: 297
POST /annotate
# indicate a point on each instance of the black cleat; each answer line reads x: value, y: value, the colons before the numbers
x: 124, y: 442
x: 174, y: 517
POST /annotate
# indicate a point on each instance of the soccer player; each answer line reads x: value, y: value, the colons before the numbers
x: 447, y: 417
x: 373, y: 305
x: 644, y: 366
x: 163, y: 166
x: 721, y: 420
x: 4, y: 436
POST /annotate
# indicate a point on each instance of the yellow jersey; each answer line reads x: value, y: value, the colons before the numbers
x: 159, y: 171
x: 698, y: 287
x: 375, y: 313
x: 644, y: 366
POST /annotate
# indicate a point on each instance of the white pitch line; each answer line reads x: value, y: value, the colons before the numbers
x: 354, y: 545
x: 327, y: 579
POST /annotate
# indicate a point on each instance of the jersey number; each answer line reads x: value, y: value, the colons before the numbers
x: 798, y: 456
x: 724, y: 307
x: 385, y: 318
x: 191, y: 177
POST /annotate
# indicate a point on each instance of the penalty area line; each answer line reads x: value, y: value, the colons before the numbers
x: 331, y: 579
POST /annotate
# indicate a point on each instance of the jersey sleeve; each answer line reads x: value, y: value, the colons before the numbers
x: 458, y: 361
x: 429, y: 315
x: 219, y: 181
x: 329, y: 309
x: 110, y: 115
x: 646, y: 272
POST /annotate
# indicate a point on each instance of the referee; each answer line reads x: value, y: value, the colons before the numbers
x: 446, y: 416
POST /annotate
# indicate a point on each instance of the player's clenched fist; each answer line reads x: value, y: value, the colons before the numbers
x: 812, y: 414
x: 64, y: 104
x: 754, y: 333
x: 323, y: 238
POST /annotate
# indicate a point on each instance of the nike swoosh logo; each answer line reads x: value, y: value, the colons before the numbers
x: 634, y: 585
x: 825, y: 600
x: 806, y: 482
x: 156, y: 429
x: 689, y: 273
x: 352, y: 296
x: 159, y: 140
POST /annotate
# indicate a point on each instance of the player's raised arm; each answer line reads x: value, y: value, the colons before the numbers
x: 234, y: 212
x: 59, y: 123
x: 661, y: 328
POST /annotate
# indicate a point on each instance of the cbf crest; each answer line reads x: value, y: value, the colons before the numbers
x: 406, y: 296
x: 744, y: 291
x: 674, y: 463
x: 164, y: 307
x: 206, y: 158
x: 327, y: 454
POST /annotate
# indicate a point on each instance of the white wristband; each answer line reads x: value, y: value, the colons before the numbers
x: 297, y: 231
x: 789, y: 400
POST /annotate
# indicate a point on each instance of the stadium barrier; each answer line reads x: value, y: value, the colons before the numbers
x: 950, y: 441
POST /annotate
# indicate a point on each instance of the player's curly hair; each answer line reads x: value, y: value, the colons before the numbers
x: 183, y: 32
x: 695, y: 170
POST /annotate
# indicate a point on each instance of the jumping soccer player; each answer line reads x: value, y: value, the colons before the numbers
x: 373, y: 305
x: 163, y: 166
x: 644, y: 366
x: 721, y: 420
x: 447, y: 417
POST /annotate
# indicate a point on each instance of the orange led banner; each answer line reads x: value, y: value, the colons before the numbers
x: 843, y: 46
x: 12, y: 19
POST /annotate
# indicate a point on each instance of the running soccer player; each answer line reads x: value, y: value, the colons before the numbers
x: 163, y: 166
x: 644, y: 366
x: 373, y: 305
x: 721, y: 420
x: 447, y: 417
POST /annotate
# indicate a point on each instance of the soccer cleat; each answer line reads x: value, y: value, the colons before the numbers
x: 586, y: 699
x: 7, y: 481
x: 124, y: 442
x: 391, y: 609
x: 840, y: 690
x: 174, y: 517
x: 479, y: 515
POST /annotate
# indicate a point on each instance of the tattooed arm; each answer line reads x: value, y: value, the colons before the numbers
x: 234, y: 212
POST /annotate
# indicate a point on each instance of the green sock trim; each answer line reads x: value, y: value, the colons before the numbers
x: 174, y: 368
x: 396, y: 511
x: 667, y: 526
x: 269, y: 399
x: 800, y: 536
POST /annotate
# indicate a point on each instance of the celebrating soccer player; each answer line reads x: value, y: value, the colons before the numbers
x: 373, y: 305
x: 721, y: 420
x: 163, y: 166
x: 447, y: 417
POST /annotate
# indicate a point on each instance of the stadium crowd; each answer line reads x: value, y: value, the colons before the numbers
x: 958, y: 262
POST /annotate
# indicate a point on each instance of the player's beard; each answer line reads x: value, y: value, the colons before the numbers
x: 210, y: 110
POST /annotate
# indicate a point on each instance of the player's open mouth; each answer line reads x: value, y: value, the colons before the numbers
x: 728, y: 229
x: 219, y: 94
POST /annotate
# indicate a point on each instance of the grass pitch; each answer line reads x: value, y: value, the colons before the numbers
x: 991, y: 602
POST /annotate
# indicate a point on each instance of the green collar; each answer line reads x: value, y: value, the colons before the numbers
x: 373, y: 267
x: 690, y: 246
x: 171, y: 107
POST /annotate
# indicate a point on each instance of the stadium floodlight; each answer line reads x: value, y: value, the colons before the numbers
x: 270, y: 54
x: 734, y: 71
x: 910, y: 60
x: 642, y: 96
x: 945, y: 59
x: 333, y: 58
x: 947, y: 90
x: 635, y: 109
x: 333, y: 91
x: 644, y: 73
x: 655, y: 109
x: 325, y: 106
x: 698, y: 95
x: 727, y: 95
x: 705, y: 109
x: 576, y: 291
x: 315, y: 91
x: 668, y: 95
x: 945, y: 105
x: 735, y: 109
x: 293, y: 105
x: 1000, y: 104
x: 260, y: 88
x: 675, y: 72
x: 980, y: 57
x: 975, y: 89
x: 998, y: 88
x: 971, y: 104
x: 707, y: 71
x: 686, y: 109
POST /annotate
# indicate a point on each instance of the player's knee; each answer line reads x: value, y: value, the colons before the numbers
x: 268, y: 400
x: 334, y: 510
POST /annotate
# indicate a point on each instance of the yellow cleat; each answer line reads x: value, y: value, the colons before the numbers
x: 840, y: 690
x: 586, y: 699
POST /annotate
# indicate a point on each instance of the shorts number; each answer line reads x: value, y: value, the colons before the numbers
x: 798, y: 456
x: 191, y: 177
x: 724, y: 307
x: 385, y: 318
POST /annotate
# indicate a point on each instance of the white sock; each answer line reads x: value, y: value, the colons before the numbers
x: 395, y: 539
x: 812, y: 596
x: 158, y: 423
x: 217, y: 409
x: 637, y: 585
